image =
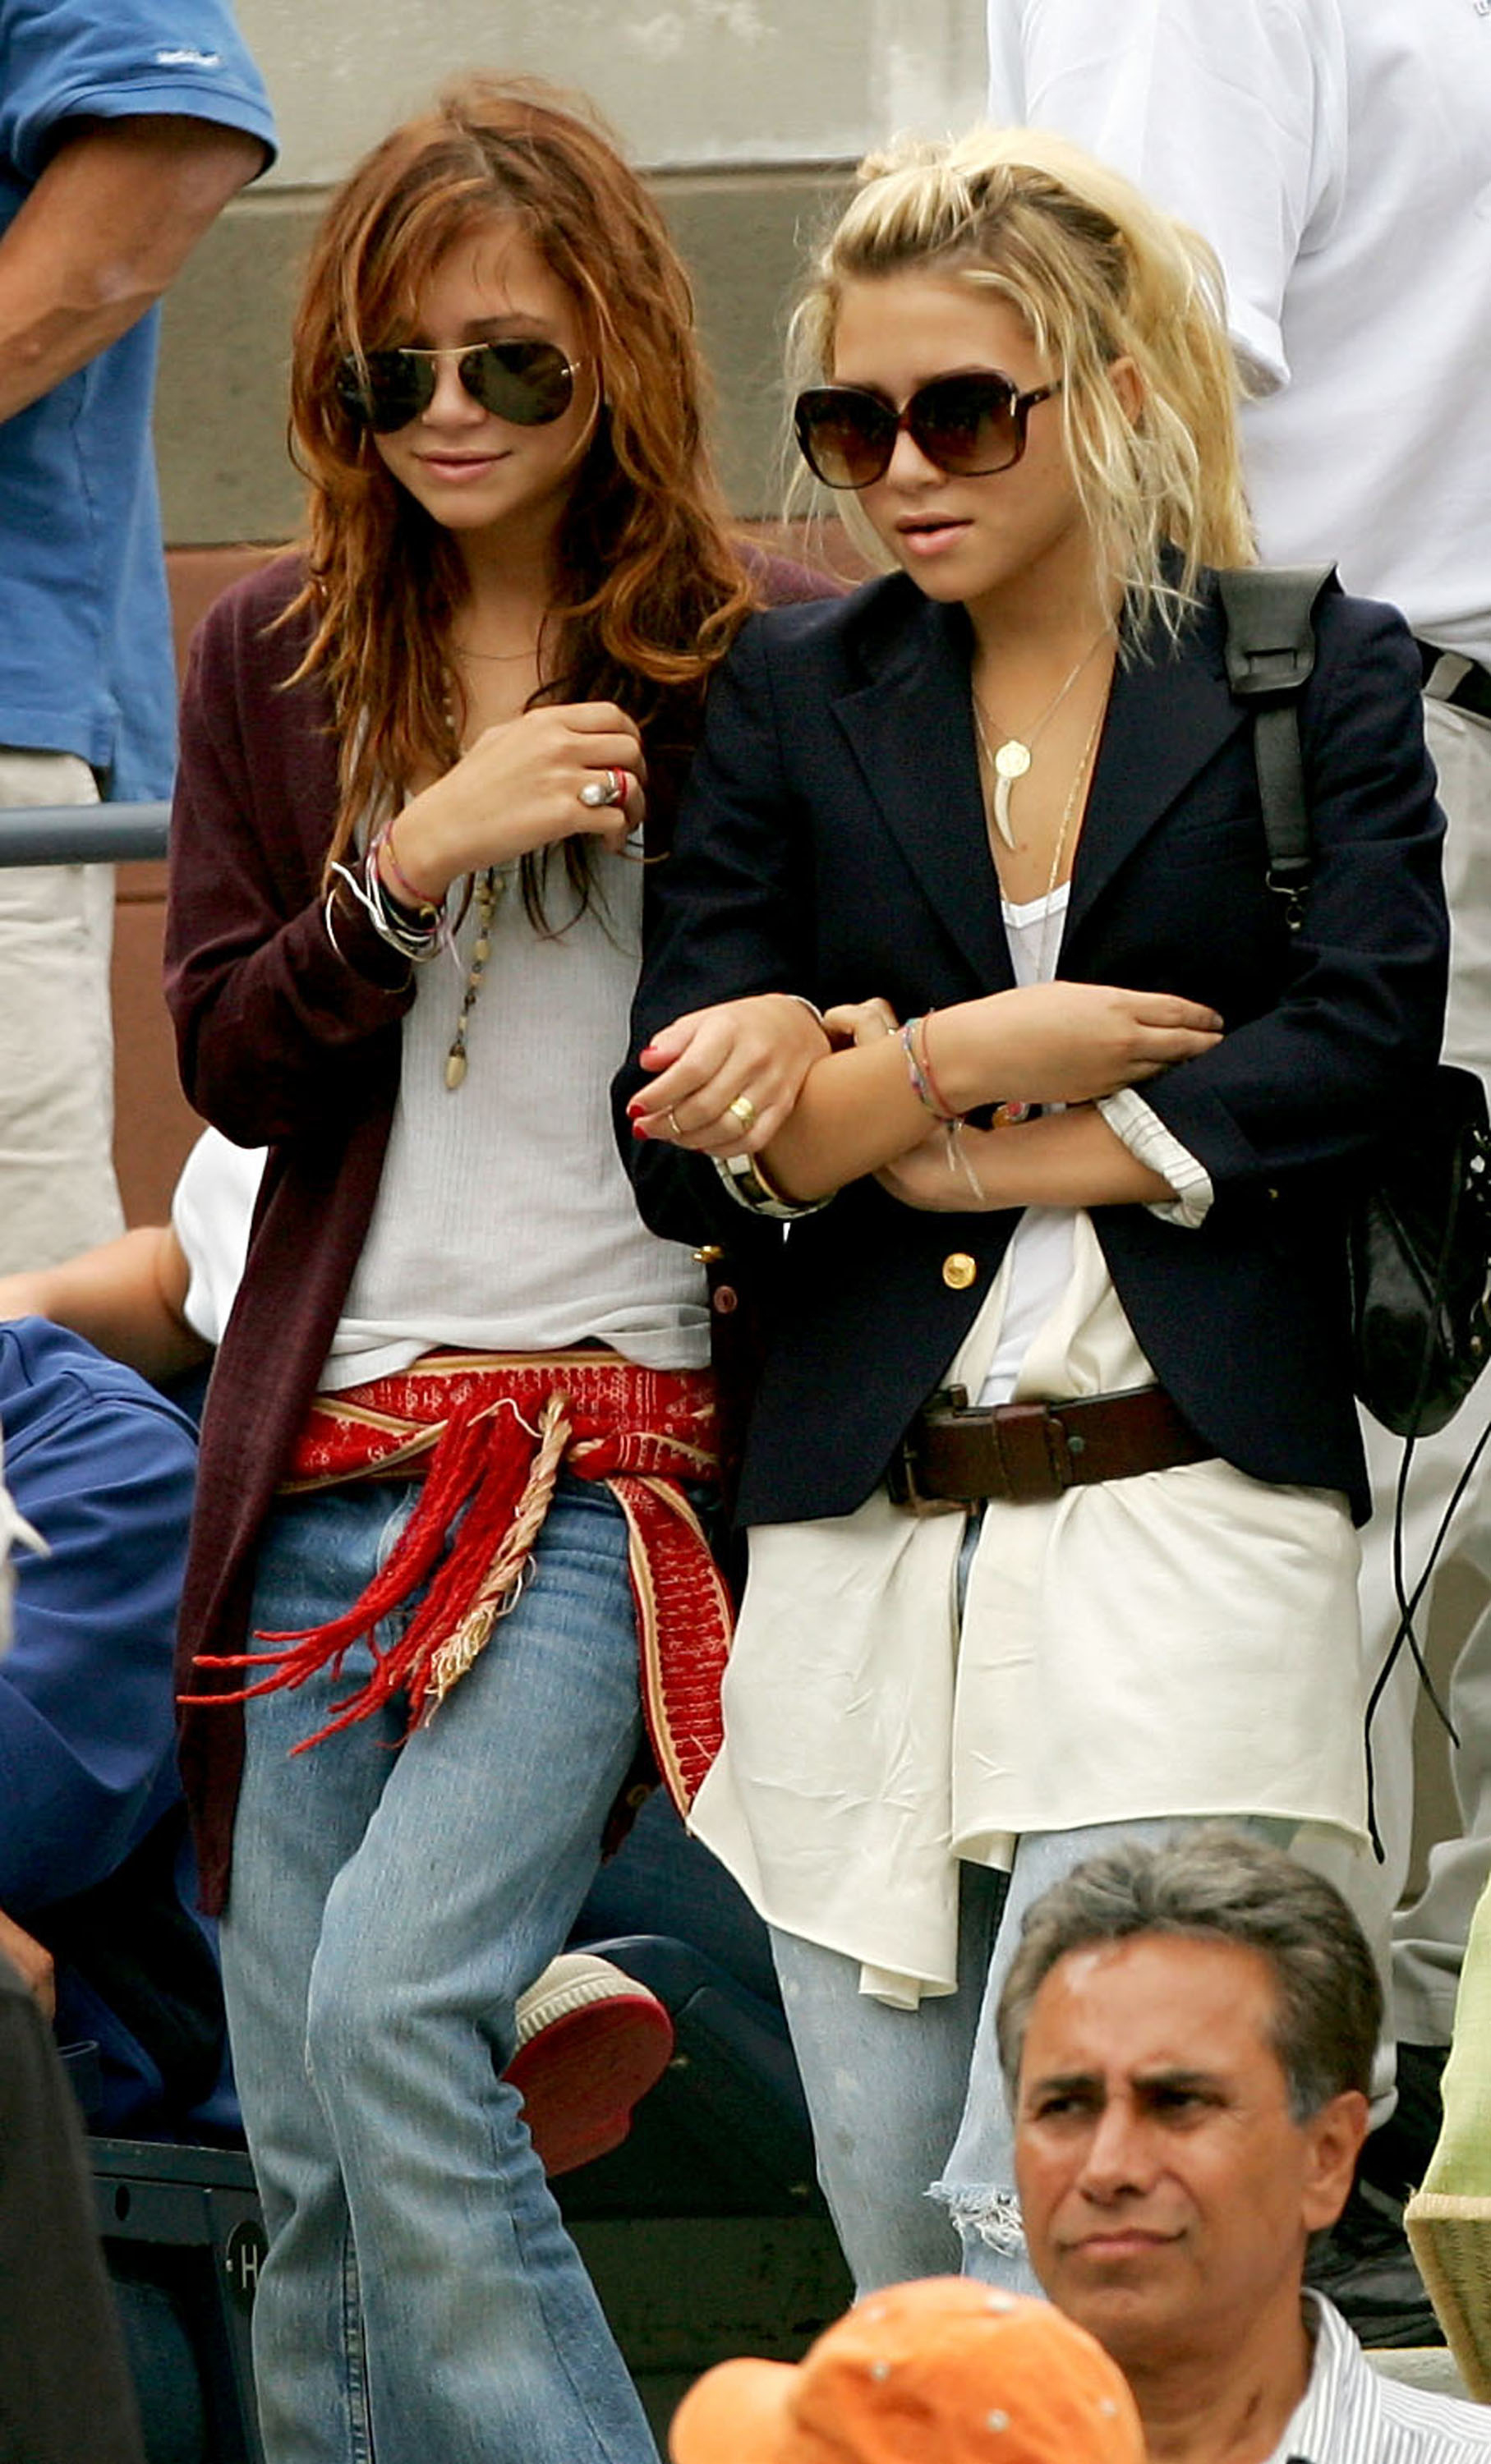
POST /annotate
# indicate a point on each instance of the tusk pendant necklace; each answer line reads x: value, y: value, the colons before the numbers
x: 1011, y: 758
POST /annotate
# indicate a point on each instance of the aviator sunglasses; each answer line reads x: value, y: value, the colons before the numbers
x: 969, y: 426
x: 528, y: 384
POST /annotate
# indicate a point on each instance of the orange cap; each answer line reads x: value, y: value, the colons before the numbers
x: 943, y: 2371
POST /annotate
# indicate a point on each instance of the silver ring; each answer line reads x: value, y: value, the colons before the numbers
x: 596, y: 792
x: 744, y: 1111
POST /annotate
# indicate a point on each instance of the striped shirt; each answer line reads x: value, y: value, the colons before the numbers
x: 1350, y: 2414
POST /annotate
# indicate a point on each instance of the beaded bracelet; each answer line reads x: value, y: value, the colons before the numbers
x: 1005, y: 1116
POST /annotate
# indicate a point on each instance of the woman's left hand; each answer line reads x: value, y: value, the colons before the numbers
x: 728, y: 1076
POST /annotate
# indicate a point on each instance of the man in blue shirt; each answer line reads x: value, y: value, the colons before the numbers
x: 64, y: 2383
x: 125, y: 125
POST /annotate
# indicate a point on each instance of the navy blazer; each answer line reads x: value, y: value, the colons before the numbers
x: 832, y: 842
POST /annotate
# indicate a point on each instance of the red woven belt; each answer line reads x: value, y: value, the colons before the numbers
x: 490, y: 1433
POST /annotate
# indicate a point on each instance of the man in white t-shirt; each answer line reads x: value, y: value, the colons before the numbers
x: 1337, y: 154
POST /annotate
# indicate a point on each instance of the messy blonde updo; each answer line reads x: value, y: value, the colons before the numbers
x: 1098, y: 274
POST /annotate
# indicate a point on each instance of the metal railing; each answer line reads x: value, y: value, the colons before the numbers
x: 82, y: 833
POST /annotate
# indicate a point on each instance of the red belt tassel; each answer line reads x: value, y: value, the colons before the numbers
x: 491, y: 1435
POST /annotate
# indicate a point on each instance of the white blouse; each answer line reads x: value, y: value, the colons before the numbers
x: 1185, y: 1643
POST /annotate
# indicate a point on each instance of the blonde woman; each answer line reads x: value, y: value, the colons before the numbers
x: 1082, y: 1147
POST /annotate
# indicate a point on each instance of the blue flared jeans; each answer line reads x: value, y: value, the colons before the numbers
x: 391, y: 1896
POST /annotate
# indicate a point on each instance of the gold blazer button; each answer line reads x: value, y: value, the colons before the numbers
x: 959, y: 1271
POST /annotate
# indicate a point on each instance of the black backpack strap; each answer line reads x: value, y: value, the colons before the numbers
x: 1270, y: 649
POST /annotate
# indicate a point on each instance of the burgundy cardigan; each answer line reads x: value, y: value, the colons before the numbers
x: 282, y: 1043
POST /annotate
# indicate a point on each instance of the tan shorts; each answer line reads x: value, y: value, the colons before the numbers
x: 57, y: 1191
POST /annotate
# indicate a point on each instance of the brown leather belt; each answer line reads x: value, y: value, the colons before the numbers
x: 1024, y: 1453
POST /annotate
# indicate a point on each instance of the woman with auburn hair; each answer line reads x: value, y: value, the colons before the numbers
x: 1052, y: 1474
x: 461, y: 1424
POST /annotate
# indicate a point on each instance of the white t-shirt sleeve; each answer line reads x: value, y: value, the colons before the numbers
x: 1232, y: 118
x: 212, y: 1210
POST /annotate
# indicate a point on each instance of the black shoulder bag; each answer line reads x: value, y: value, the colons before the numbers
x: 1418, y: 1235
x: 1418, y: 1248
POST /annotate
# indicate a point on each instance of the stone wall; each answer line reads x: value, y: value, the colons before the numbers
x: 747, y: 112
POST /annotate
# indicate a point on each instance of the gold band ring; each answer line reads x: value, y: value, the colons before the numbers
x: 744, y: 1111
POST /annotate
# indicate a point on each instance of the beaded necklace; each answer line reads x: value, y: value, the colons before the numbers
x: 489, y: 887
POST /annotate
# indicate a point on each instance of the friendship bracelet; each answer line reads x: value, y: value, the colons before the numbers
x: 420, y: 935
x: 920, y: 1084
x: 408, y: 895
x: 940, y: 1102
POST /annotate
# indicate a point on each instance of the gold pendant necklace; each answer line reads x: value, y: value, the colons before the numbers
x: 1048, y: 941
x: 1011, y: 758
x: 1069, y: 808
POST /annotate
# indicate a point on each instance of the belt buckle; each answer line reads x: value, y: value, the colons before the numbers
x: 1034, y: 1452
x: 900, y: 1476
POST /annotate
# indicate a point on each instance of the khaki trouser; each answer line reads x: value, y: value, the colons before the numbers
x: 57, y: 1191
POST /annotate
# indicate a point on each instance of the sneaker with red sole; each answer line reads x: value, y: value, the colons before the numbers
x: 591, y: 2043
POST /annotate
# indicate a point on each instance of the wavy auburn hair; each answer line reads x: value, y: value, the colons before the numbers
x: 651, y: 591
x: 1097, y: 274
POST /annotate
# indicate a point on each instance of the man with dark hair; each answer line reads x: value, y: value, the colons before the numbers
x: 1187, y: 2033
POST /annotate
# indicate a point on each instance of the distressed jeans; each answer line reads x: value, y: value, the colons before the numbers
x: 913, y: 2135
x: 391, y: 1900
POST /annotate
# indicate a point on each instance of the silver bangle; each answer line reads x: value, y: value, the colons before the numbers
x: 415, y: 942
x: 331, y: 929
x: 327, y: 914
